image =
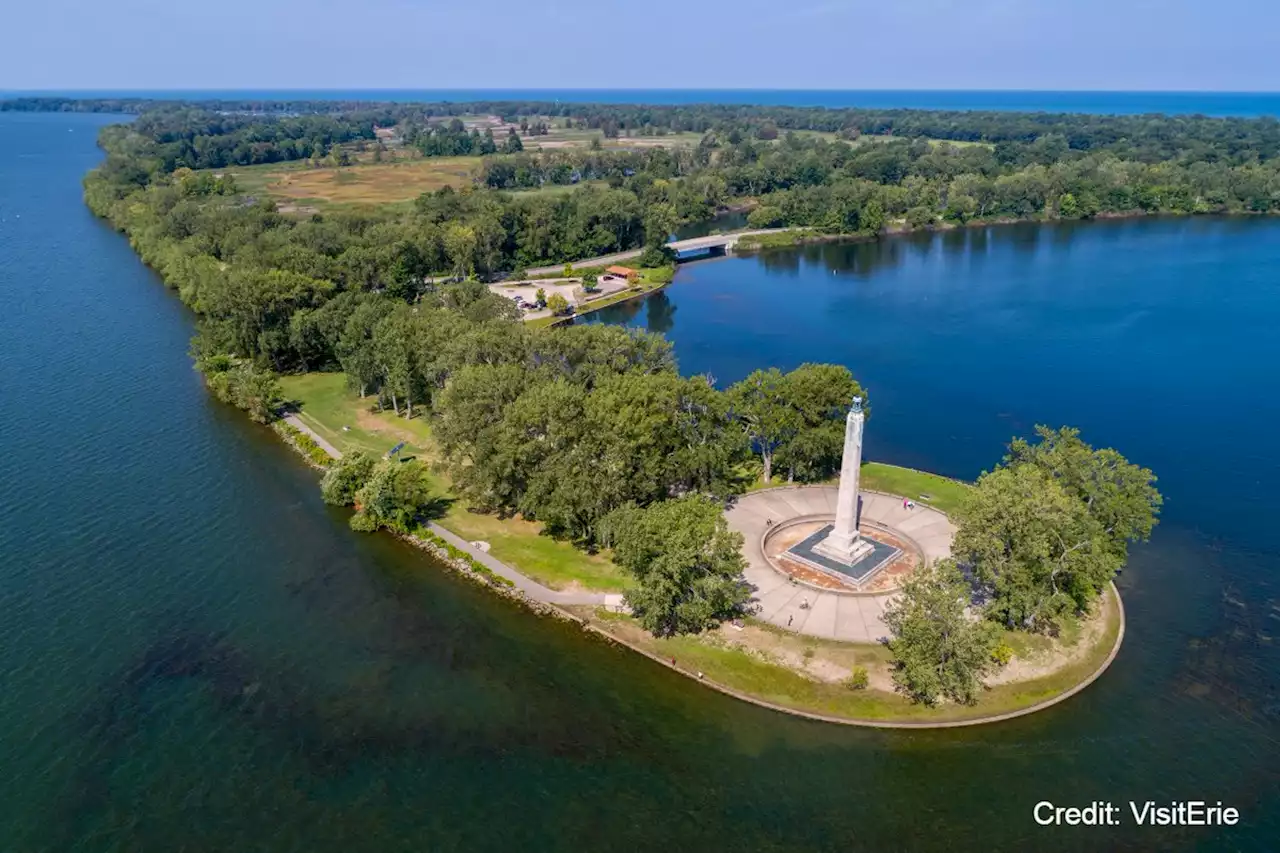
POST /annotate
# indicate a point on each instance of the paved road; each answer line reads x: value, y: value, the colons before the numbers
x: 525, y: 584
x: 831, y: 615
x: 691, y: 243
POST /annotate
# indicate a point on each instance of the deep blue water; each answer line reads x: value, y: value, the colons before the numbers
x: 196, y: 654
x: 1098, y: 103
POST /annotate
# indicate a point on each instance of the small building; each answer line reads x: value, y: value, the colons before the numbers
x: 623, y: 272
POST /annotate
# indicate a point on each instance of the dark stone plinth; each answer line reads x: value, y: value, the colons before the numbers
x: 859, y: 572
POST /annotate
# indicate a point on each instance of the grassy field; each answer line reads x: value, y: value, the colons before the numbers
x: 782, y: 685
x: 364, y: 183
x: 349, y: 423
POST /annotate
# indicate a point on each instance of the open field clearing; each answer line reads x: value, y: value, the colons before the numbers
x: 373, y: 183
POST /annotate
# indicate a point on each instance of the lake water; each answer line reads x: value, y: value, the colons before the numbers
x: 1029, y: 100
x: 196, y: 654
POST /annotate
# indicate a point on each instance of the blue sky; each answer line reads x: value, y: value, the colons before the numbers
x: 827, y: 44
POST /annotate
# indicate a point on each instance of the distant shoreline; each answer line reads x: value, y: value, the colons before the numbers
x: 1085, y: 102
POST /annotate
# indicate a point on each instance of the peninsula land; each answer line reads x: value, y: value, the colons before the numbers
x: 353, y: 268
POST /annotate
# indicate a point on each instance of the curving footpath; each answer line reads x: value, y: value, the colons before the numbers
x: 525, y: 584
x: 748, y: 516
x: 847, y: 617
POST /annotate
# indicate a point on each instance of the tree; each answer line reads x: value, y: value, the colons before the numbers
x: 686, y: 561
x: 541, y: 298
x: 1034, y: 549
x: 460, y: 245
x: 939, y: 649
x: 557, y: 304
x: 1118, y: 494
x: 659, y: 221
x: 1068, y: 207
x: 345, y: 477
x: 395, y: 496
x: 760, y: 402
x: 797, y: 419
x: 821, y: 395
x: 656, y: 256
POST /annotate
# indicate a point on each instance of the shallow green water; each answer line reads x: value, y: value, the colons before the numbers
x: 196, y: 654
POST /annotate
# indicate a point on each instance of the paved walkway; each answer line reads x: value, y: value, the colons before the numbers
x: 830, y: 615
x: 525, y: 584
x: 296, y: 422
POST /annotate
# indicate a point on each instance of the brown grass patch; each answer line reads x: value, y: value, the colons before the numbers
x: 373, y: 183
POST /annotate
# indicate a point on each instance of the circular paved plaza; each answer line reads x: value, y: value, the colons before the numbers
x: 812, y: 605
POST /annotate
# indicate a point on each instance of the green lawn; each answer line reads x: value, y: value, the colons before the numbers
x: 327, y: 405
x: 520, y: 544
x: 932, y: 489
x: 783, y: 686
x: 941, y: 492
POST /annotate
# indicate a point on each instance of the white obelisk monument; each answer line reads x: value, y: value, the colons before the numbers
x: 843, y: 543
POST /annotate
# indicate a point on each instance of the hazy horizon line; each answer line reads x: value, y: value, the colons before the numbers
x: 178, y: 90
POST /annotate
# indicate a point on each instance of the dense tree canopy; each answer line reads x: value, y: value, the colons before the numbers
x: 1048, y: 529
x: 686, y: 561
x: 590, y: 429
x: 797, y: 418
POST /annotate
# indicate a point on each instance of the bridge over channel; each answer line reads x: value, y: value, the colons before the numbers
x: 685, y: 250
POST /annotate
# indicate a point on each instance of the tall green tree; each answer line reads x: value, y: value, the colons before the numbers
x: 797, y: 419
x: 1118, y: 494
x: 761, y: 403
x: 821, y: 395
x: 686, y: 561
x: 1035, y: 548
x: 941, y: 649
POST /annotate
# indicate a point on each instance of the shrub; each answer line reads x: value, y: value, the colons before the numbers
x: 858, y: 679
x: 1002, y: 654
x: 920, y: 217
x: 656, y: 256
x: 243, y: 385
x: 394, y: 496
x: 304, y: 443
x: 345, y: 478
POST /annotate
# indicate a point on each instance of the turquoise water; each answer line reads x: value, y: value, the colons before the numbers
x: 1096, y: 103
x: 196, y: 654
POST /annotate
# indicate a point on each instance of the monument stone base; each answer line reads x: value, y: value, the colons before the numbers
x: 839, y: 548
x: 871, y: 555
